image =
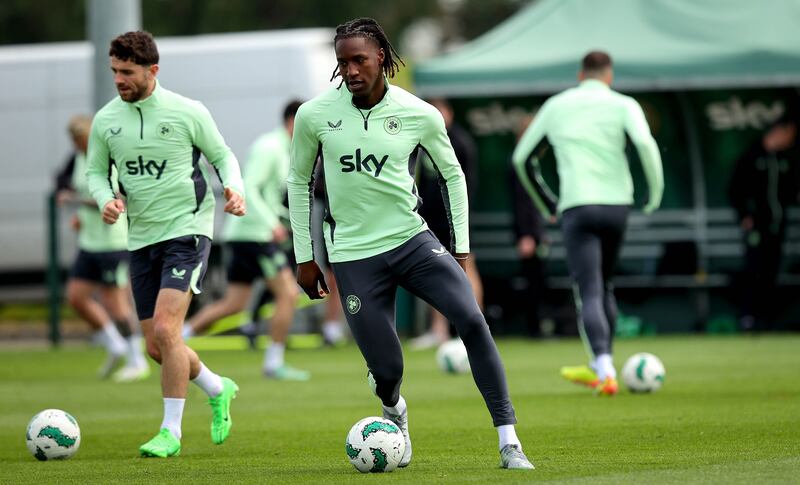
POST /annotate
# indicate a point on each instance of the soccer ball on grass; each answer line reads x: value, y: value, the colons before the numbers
x: 53, y: 435
x: 452, y: 357
x: 375, y: 445
x: 643, y: 372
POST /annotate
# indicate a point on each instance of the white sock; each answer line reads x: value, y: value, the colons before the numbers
x: 188, y: 331
x: 135, y: 354
x: 111, y: 339
x: 398, y: 408
x: 332, y: 330
x: 273, y: 356
x: 508, y: 435
x: 173, y: 415
x: 209, y: 382
x: 604, y: 366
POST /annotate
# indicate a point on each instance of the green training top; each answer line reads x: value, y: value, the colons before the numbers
x: 265, y: 182
x: 586, y: 125
x: 366, y: 155
x: 156, y: 144
x: 95, y: 235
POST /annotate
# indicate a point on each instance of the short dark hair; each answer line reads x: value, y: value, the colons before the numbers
x: 596, y: 61
x: 291, y: 109
x: 370, y: 29
x: 138, y: 46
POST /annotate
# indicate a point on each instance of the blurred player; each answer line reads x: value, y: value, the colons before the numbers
x: 366, y: 131
x: 101, y: 267
x: 252, y: 244
x: 765, y: 182
x: 155, y: 138
x: 586, y: 126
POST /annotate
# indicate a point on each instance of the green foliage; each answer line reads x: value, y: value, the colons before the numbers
x: 727, y: 414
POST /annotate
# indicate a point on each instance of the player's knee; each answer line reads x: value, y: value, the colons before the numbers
x: 471, y: 323
x: 164, y: 333
x: 74, y: 296
x: 153, y: 351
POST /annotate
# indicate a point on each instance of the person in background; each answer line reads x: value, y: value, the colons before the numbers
x: 253, y: 251
x: 531, y: 239
x: 435, y: 214
x: 765, y: 181
x: 587, y: 127
x: 101, y: 268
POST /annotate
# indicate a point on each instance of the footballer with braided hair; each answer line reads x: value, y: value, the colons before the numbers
x: 365, y: 136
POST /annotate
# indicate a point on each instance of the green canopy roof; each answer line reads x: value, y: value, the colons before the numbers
x: 655, y: 45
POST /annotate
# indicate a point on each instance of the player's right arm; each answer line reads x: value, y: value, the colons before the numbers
x: 300, y: 183
x: 98, y: 175
x: 526, y: 163
x: 639, y: 132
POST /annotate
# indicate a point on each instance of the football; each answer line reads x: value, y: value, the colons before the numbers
x: 452, y: 357
x: 53, y: 435
x: 375, y: 445
x: 643, y: 372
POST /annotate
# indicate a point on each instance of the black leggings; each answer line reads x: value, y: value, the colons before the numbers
x: 422, y: 266
x: 593, y: 235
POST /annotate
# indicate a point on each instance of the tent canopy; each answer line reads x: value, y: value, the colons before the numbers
x: 655, y: 45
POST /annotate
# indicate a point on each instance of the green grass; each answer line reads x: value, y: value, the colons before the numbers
x: 728, y: 413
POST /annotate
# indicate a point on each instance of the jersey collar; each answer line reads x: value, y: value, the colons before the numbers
x: 152, y: 99
x: 593, y: 84
x: 383, y: 102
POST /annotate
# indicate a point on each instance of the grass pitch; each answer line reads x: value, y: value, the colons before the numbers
x: 728, y: 413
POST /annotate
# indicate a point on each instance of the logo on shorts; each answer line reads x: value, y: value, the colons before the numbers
x: 353, y: 304
x: 439, y: 252
x: 392, y: 125
x: 178, y: 275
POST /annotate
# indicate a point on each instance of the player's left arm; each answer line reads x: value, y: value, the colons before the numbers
x: 210, y: 141
x: 639, y: 132
x: 436, y: 143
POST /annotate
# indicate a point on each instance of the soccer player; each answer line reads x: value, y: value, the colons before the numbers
x: 101, y: 268
x: 252, y: 244
x: 586, y: 126
x: 366, y: 131
x: 155, y: 137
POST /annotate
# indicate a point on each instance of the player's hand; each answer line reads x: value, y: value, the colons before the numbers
x: 279, y: 233
x: 461, y: 259
x: 747, y: 223
x: 235, y: 204
x: 311, y: 280
x: 75, y: 223
x: 526, y: 247
x: 553, y: 219
x: 112, y: 210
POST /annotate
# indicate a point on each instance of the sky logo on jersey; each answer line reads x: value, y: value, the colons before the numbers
x: 152, y: 168
x: 178, y: 274
x: 439, y: 252
x: 355, y: 166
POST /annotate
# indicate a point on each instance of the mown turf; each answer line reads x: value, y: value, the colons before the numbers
x: 728, y: 413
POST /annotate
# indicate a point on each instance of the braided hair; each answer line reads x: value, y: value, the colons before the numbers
x: 369, y: 29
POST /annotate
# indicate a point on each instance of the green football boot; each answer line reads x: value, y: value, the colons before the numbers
x: 221, y: 421
x: 163, y: 445
x: 581, y: 374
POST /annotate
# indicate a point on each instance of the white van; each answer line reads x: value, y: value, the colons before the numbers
x: 244, y: 79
